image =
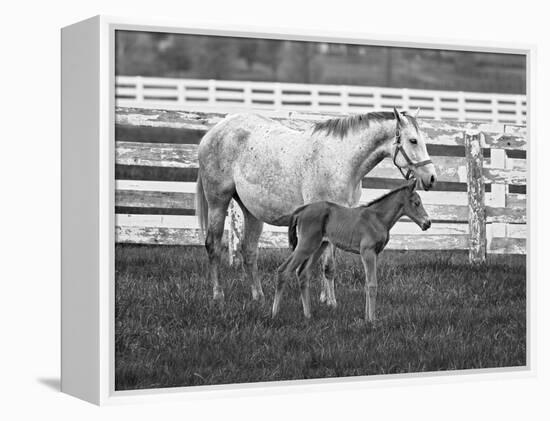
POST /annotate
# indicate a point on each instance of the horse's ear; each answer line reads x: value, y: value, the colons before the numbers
x: 397, y: 115
x: 412, y: 184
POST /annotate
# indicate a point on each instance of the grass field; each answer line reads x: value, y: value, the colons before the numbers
x: 435, y: 313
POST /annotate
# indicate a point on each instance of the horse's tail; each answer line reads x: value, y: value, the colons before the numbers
x: 201, y: 205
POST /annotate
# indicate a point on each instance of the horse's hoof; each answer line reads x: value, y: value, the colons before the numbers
x: 219, y: 296
x: 258, y: 296
x: 373, y: 323
x: 323, y: 297
x: 332, y: 304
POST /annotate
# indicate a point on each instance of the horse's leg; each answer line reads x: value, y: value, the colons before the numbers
x: 217, y: 210
x: 280, y: 281
x: 327, y: 274
x: 252, y: 231
x: 368, y: 258
x: 304, y: 274
x: 291, y: 264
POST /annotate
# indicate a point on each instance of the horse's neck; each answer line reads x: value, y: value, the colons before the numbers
x: 389, y: 210
x: 368, y: 147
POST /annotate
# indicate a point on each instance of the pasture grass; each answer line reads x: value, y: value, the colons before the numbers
x: 435, y: 311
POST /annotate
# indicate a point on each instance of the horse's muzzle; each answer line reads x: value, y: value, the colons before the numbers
x: 427, y: 224
x: 428, y: 182
x: 426, y: 176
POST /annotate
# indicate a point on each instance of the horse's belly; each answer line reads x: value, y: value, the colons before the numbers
x: 343, y: 245
x: 270, y: 199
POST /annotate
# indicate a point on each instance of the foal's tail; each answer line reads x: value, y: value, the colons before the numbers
x: 201, y: 206
x: 292, y: 237
x: 292, y: 227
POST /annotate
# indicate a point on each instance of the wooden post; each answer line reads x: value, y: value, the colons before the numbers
x: 277, y: 96
x: 181, y: 92
x: 234, y: 235
x: 494, y: 109
x: 405, y: 104
x: 314, y: 94
x: 211, y: 92
x: 140, y: 97
x: 461, y: 107
x: 497, y: 198
x: 247, y: 95
x: 476, y: 197
x: 519, y: 110
x: 344, y: 99
x: 437, y: 106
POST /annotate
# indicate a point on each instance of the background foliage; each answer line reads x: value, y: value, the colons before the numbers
x: 209, y: 57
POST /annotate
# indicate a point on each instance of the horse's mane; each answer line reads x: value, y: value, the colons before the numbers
x: 379, y: 199
x: 342, y: 125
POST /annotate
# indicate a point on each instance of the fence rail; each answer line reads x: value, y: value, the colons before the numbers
x: 196, y: 94
x: 479, y: 203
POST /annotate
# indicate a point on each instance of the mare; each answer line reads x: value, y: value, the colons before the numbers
x: 270, y: 169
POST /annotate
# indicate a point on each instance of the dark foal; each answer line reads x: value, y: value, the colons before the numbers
x: 364, y: 230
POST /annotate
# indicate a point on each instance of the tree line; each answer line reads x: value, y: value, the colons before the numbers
x: 232, y: 58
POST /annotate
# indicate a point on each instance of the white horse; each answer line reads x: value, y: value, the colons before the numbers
x: 271, y: 169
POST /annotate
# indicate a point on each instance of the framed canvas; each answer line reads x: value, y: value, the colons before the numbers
x: 246, y: 209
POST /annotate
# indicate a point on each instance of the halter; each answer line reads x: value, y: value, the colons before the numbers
x: 399, y: 148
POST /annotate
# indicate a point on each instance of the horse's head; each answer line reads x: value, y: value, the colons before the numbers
x: 409, y: 151
x: 413, y: 207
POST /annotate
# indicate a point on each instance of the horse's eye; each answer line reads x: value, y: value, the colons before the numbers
x: 413, y: 141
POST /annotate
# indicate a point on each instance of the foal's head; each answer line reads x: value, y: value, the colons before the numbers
x: 413, y: 207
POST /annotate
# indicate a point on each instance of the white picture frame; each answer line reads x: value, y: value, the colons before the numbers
x: 88, y: 225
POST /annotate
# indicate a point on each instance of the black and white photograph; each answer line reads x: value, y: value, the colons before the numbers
x: 275, y: 210
x: 290, y: 209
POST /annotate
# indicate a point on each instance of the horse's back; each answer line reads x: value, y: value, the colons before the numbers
x: 250, y: 122
x: 246, y: 133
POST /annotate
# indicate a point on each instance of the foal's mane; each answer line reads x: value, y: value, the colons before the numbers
x: 379, y: 199
x: 342, y: 125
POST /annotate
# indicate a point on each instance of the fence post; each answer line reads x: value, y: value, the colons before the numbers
x: 181, y: 92
x: 519, y: 109
x: 314, y: 93
x: 494, y: 109
x: 405, y: 100
x: 277, y: 96
x: 211, y: 92
x: 247, y: 95
x: 234, y: 235
x: 498, y: 197
x: 140, y: 97
x: 461, y: 106
x: 437, y: 106
x: 476, y: 197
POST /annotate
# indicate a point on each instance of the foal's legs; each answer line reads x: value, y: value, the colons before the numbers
x: 327, y: 274
x: 294, y: 263
x: 368, y: 257
x: 252, y: 231
x: 304, y: 275
x: 280, y: 282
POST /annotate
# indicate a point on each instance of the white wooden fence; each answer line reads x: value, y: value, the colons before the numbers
x: 156, y: 170
x: 210, y: 95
